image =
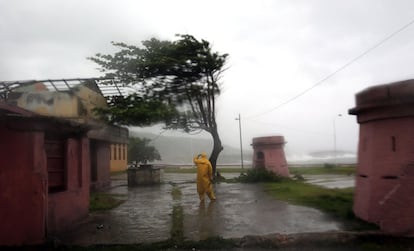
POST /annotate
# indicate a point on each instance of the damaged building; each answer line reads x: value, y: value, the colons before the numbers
x: 57, y: 150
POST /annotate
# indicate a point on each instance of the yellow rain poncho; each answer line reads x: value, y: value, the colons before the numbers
x: 204, y: 177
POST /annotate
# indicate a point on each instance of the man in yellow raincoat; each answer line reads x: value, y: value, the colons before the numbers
x: 204, y: 177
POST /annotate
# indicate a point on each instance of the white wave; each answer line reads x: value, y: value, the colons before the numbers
x: 307, y: 158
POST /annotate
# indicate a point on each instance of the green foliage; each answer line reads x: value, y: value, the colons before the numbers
x: 135, y: 110
x: 337, y: 202
x: 140, y: 151
x: 177, y: 82
x: 298, y: 177
x: 328, y: 165
x: 231, y: 170
x: 259, y: 175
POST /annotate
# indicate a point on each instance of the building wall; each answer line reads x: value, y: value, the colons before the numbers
x: 100, y: 172
x: 384, y: 192
x: 23, y: 186
x: 269, y: 153
x: 76, y: 103
x: 72, y: 204
x: 90, y: 100
x: 31, y: 206
x: 119, y: 157
x: 58, y: 104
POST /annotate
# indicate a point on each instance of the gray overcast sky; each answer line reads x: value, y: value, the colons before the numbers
x: 277, y: 50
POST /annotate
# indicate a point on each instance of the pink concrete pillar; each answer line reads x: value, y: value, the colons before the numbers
x: 268, y: 153
x: 384, y: 192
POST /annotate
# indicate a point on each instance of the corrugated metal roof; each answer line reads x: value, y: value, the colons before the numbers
x: 106, y: 86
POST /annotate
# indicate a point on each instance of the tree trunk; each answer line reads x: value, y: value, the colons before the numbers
x: 217, y: 148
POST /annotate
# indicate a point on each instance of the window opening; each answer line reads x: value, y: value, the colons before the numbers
x: 56, y: 164
x: 393, y: 144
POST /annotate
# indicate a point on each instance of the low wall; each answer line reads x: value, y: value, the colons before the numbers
x: 143, y: 175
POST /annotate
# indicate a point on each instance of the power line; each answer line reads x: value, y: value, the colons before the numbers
x: 337, y: 70
x: 291, y: 128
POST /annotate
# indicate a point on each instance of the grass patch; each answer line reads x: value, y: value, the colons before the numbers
x: 177, y: 228
x: 103, y: 201
x: 336, y: 202
x: 232, y: 170
x: 340, y: 170
x: 176, y: 193
x: 118, y: 173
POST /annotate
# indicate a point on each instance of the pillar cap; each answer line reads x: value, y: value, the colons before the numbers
x: 391, y: 94
x: 269, y: 140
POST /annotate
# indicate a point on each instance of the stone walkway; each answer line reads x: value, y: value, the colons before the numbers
x: 240, y: 210
x: 331, y: 180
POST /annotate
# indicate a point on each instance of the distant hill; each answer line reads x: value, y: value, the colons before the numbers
x: 323, y: 154
x: 323, y: 157
x: 180, y: 150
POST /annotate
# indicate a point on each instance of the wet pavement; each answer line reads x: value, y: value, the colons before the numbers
x: 147, y: 214
x: 331, y: 180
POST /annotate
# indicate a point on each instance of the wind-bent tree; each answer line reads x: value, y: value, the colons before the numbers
x: 178, y: 85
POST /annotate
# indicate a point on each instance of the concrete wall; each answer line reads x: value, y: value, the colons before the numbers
x: 143, y: 175
x: 384, y: 192
x: 269, y: 153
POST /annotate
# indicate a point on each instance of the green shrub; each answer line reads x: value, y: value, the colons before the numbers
x: 328, y: 165
x: 259, y: 175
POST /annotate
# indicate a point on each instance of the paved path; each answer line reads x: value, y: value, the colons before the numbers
x: 241, y: 209
x: 331, y: 180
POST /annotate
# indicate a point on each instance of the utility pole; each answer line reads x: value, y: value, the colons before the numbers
x: 334, y: 137
x: 241, y: 142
